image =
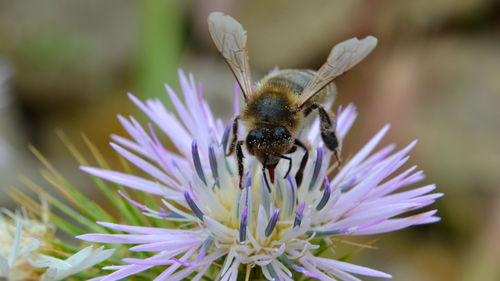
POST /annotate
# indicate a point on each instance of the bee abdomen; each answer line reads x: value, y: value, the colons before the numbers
x: 294, y: 80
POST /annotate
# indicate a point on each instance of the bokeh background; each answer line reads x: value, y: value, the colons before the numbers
x: 435, y: 76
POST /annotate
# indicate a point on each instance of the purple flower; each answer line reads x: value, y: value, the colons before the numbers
x: 253, y: 229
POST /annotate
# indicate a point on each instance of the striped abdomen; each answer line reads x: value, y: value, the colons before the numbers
x: 296, y: 80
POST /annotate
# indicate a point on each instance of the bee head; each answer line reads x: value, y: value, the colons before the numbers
x: 265, y: 143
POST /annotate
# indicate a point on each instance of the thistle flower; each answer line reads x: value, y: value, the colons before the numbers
x: 221, y: 231
x: 22, y: 241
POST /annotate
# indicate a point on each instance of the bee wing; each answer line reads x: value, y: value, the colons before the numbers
x: 343, y: 57
x: 231, y: 39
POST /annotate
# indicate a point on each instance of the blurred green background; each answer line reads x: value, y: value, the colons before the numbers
x: 435, y: 76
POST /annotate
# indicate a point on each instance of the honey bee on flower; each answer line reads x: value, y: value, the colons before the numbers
x: 227, y: 223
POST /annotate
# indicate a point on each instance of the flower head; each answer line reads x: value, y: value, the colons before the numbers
x: 23, y: 239
x: 252, y: 231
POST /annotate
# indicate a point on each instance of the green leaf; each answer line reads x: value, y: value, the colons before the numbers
x: 72, y: 194
x: 74, y: 215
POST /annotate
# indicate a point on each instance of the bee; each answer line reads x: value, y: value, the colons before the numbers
x: 275, y: 109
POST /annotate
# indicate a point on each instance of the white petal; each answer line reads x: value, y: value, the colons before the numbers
x: 4, y: 266
x: 59, y: 269
x: 327, y: 264
x: 131, y: 181
x: 124, y: 271
x: 361, y: 155
x: 41, y: 261
x: 220, y: 231
x: 396, y: 224
x: 145, y: 166
x: 14, y: 252
x: 346, y: 119
x: 165, y: 275
x: 373, y: 215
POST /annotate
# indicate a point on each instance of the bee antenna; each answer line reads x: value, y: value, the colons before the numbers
x: 270, y: 168
x: 267, y: 182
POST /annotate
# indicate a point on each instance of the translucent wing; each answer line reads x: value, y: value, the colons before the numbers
x: 343, y: 57
x: 231, y: 39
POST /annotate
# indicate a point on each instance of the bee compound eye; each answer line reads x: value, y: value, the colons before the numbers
x: 255, y: 136
x: 281, y: 133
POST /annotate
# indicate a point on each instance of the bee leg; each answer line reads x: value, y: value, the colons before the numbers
x: 309, y: 109
x: 264, y: 166
x: 235, y: 136
x: 328, y: 132
x: 289, y: 165
x: 303, y: 162
x: 239, y: 156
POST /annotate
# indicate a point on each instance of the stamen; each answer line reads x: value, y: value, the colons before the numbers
x: 192, y: 192
x: 291, y: 197
x: 325, y: 197
x: 241, y: 202
x: 328, y: 232
x: 205, y: 246
x: 193, y: 206
x: 187, y: 264
x: 272, y: 222
x: 344, y: 187
x: 243, y: 225
x: 249, y: 181
x: 216, y: 182
x: 225, y: 136
x: 317, y: 167
x: 298, y: 215
x: 273, y: 273
x: 297, y: 268
x: 163, y: 213
x: 213, y: 162
x: 197, y: 161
